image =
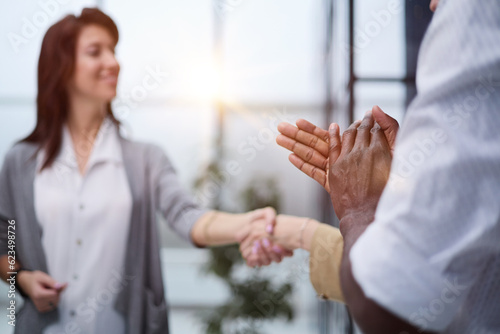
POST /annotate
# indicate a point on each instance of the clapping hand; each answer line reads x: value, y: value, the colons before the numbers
x: 359, y: 167
x: 315, y: 152
x: 309, y: 144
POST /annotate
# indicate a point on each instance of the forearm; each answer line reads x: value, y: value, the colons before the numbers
x: 370, y: 316
x: 351, y: 227
x: 218, y: 228
x: 307, y: 234
x: 295, y: 232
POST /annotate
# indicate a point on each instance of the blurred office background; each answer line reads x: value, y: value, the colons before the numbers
x: 227, y: 71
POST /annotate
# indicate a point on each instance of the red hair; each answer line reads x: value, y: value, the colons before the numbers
x: 56, y: 66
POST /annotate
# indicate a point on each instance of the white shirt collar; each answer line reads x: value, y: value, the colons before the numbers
x: 106, y: 147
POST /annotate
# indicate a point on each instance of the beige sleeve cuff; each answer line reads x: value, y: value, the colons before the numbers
x: 324, y: 262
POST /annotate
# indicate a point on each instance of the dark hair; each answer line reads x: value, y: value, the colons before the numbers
x: 55, y: 69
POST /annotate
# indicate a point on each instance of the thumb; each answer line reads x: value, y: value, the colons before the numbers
x: 270, y: 219
x: 60, y: 287
x: 388, y: 124
x: 334, y: 150
x: 47, y: 281
x: 335, y: 144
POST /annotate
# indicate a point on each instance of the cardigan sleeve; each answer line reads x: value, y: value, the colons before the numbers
x: 173, y: 201
x: 324, y: 262
x: 6, y: 206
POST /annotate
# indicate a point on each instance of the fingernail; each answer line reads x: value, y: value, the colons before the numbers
x: 269, y: 229
x: 266, y: 243
x: 277, y: 249
x: 256, y: 246
x: 332, y: 128
x: 57, y: 286
x: 368, y: 113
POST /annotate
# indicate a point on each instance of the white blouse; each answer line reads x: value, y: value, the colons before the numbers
x: 85, y: 222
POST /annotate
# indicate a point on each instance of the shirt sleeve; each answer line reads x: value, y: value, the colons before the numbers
x: 324, y: 262
x: 434, y: 233
x: 437, y: 224
x: 172, y: 200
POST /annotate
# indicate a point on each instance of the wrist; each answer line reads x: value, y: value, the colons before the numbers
x: 295, y: 232
x: 356, y: 208
x: 22, y: 277
x: 245, y: 219
x: 354, y: 221
x: 221, y: 228
x: 287, y: 231
x: 308, y: 233
x: 241, y: 227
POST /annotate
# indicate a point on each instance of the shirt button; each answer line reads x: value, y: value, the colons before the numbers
x: 72, y: 313
x: 75, y: 276
x: 81, y: 206
x: 78, y: 242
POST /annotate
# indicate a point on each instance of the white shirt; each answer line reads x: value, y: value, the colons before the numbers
x: 432, y: 255
x: 85, y: 221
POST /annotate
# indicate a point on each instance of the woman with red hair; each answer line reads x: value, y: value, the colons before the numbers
x: 83, y: 200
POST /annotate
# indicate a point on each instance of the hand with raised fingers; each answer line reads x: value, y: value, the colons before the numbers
x: 360, y: 166
x: 309, y: 144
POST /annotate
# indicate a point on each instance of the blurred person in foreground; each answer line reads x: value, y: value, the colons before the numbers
x: 82, y: 200
x: 420, y: 228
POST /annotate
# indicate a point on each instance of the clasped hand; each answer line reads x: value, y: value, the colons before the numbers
x: 256, y: 242
x: 353, y: 168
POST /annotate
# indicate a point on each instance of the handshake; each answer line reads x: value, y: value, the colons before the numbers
x: 268, y: 237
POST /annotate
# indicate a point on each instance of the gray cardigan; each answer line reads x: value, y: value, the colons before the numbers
x: 154, y: 186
